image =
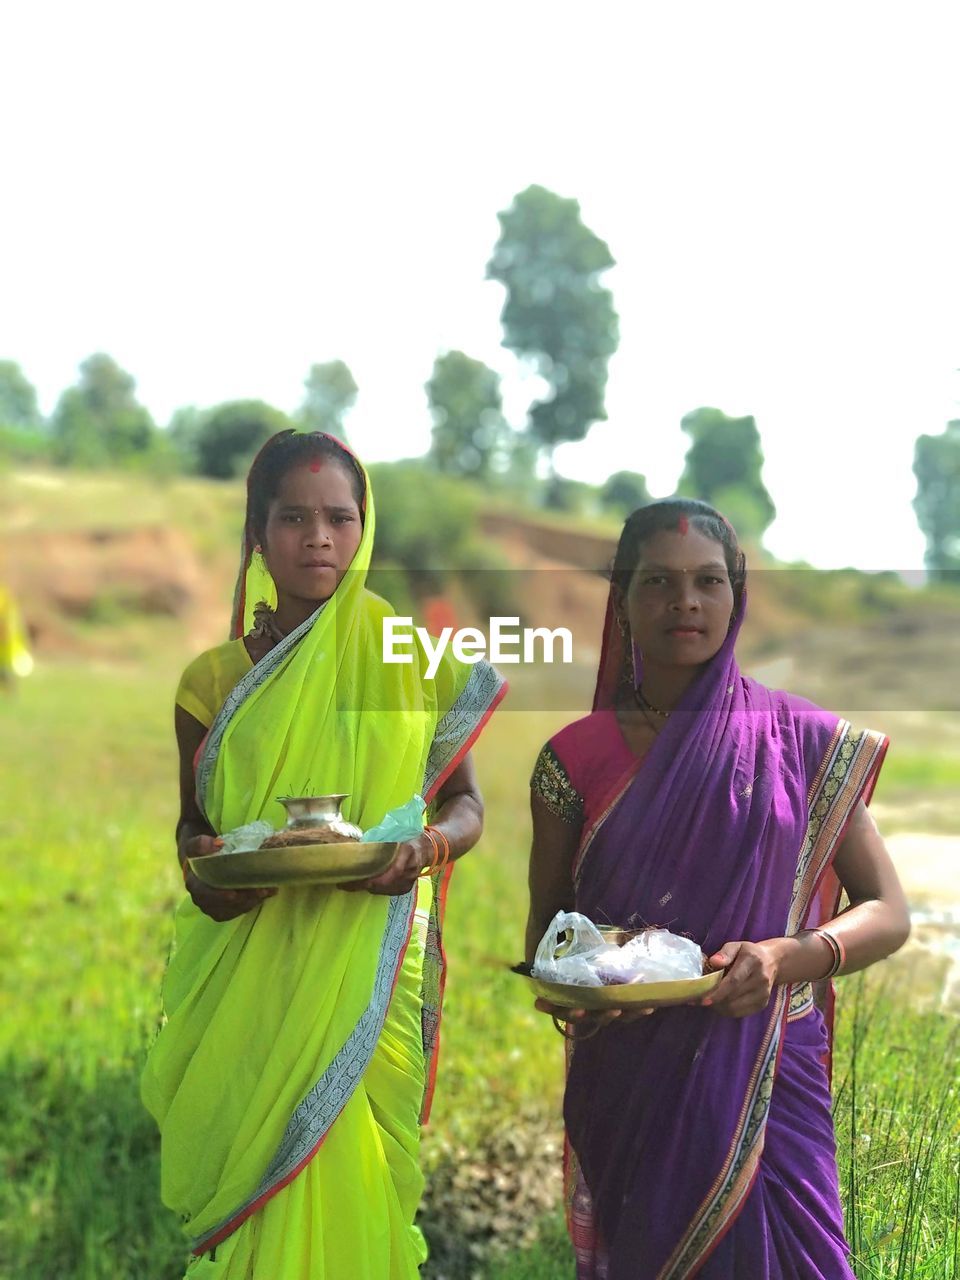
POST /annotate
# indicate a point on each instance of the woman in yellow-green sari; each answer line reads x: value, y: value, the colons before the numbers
x: 296, y: 1061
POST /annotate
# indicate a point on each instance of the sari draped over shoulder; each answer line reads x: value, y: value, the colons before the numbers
x: 701, y: 1145
x: 296, y: 1059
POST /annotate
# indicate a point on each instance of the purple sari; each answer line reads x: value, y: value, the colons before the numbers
x: 705, y: 1144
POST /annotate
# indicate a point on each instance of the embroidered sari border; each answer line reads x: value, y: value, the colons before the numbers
x: 459, y: 727
x: 852, y: 766
x: 315, y: 1115
x: 722, y: 1202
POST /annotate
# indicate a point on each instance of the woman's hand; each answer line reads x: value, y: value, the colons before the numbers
x: 218, y: 904
x: 749, y: 980
x: 400, y: 877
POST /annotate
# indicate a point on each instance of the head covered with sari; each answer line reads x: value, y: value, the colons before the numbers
x: 274, y: 1019
x: 724, y: 831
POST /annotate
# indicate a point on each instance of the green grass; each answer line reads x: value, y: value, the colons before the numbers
x: 87, y: 804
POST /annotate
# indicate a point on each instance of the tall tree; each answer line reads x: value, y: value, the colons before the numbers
x: 470, y: 436
x: 936, y: 464
x: 723, y: 466
x: 100, y: 421
x: 331, y: 394
x: 230, y: 434
x: 556, y: 313
x: 624, y: 491
x: 18, y: 399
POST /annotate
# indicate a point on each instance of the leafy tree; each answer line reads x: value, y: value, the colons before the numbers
x: 99, y: 421
x: 624, y: 491
x: 556, y: 312
x: 428, y: 533
x: 723, y: 466
x: 229, y: 435
x: 183, y: 433
x: 18, y: 399
x: 936, y: 464
x: 470, y: 436
x: 331, y: 394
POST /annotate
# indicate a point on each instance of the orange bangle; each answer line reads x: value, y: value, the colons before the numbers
x: 435, y: 831
x: 428, y: 871
x: 436, y: 838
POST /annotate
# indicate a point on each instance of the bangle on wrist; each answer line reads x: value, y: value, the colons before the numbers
x: 839, y: 954
x: 440, y: 858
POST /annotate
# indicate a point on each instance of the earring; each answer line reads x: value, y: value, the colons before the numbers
x: 258, y: 550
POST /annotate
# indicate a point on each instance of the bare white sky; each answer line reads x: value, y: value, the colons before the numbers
x: 220, y: 194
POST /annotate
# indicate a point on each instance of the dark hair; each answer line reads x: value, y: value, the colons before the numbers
x: 285, y: 450
x: 658, y: 517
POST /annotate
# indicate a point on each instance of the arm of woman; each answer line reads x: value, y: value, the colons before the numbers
x: 195, y: 836
x: 550, y: 878
x: 874, y: 925
x: 458, y: 816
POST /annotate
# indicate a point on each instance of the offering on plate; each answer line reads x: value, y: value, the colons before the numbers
x: 313, y: 820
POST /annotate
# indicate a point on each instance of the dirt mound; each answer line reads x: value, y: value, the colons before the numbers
x: 100, y: 576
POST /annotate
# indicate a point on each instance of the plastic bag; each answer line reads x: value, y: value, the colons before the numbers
x: 562, y: 955
x: 247, y: 838
x: 402, y: 823
x: 573, y: 951
x: 656, y: 955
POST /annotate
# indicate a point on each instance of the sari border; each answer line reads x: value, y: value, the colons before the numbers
x: 460, y: 726
x: 457, y: 730
x: 852, y: 765
x: 245, y: 686
x: 721, y: 1205
x: 848, y: 770
x: 320, y: 1107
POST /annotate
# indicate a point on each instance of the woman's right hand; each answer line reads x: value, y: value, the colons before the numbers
x: 218, y: 904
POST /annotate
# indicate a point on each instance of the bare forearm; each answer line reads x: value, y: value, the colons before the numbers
x: 459, y: 817
x: 868, y: 931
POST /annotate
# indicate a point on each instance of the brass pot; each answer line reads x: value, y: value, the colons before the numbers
x: 314, y: 820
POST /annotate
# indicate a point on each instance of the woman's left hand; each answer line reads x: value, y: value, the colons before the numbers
x: 400, y: 877
x: 749, y: 980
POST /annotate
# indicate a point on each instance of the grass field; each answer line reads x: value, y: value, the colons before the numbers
x: 86, y: 810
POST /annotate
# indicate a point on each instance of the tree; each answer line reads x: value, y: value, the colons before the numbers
x: 723, y: 466
x: 624, y: 491
x: 331, y: 394
x: 556, y: 313
x: 936, y: 464
x: 99, y: 421
x: 470, y: 436
x: 18, y: 399
x: 231, y: 434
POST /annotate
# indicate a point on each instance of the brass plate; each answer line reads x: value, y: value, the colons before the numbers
x: 623, y: 994
x: 296, y: 864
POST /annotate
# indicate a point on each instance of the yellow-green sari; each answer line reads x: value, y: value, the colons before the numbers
x: 295, y: 1063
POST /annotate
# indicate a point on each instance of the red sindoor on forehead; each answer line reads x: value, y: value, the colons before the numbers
x: 683, y: 524
x: 315, y: 465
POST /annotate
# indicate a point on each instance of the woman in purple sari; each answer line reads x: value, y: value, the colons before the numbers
x: 700, y: 1139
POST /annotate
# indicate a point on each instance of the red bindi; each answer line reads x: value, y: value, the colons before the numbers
x: 683, y: 525
x: 315, y: 465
